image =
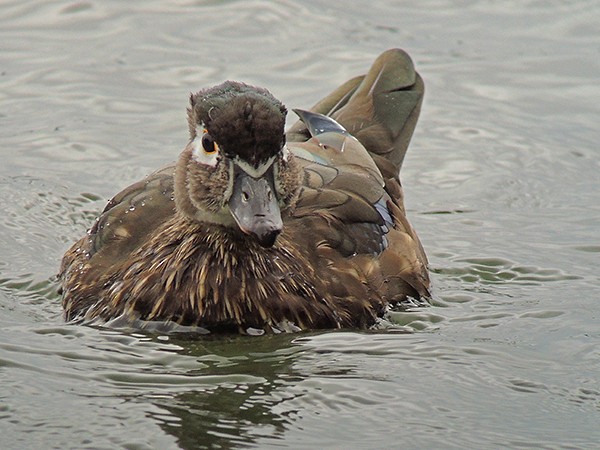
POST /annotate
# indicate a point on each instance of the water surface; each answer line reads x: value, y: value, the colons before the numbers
x: 502, y: 182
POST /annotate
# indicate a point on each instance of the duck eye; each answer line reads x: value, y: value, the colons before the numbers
x: 208, y: 144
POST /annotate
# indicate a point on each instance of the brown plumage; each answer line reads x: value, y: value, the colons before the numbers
x: 248, y: 232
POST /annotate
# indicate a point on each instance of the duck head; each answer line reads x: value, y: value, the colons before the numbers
x: 236, y: 170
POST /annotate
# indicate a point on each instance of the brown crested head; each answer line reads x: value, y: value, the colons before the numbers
x: 246, y: 121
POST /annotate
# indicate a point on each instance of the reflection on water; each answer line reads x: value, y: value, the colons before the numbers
x: 239, y: 409
x: 501, y: 183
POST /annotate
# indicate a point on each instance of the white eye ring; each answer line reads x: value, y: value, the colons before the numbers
x: 205, y: 150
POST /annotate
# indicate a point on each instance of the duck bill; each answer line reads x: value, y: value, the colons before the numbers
x: 253, y: 205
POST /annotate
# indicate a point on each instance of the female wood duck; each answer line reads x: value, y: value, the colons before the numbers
x: 256, y: 229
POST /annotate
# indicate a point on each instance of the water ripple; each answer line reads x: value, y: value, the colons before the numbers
x: 490, y: 270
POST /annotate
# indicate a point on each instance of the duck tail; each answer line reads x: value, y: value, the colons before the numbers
x: 380, y: 109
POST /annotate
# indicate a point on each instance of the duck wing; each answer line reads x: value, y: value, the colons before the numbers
x: 352, y: 145
x: 125, y: 223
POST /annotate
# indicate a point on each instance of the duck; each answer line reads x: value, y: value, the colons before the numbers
x: 257, y: 230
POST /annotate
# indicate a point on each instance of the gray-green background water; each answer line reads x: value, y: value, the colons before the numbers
x: 502, y: 183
